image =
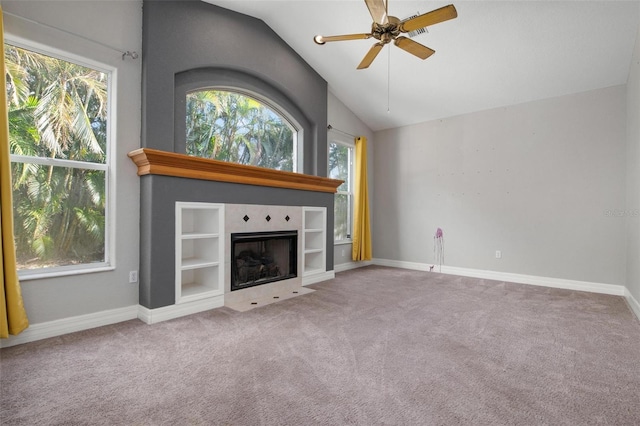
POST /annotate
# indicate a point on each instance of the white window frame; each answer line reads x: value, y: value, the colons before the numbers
x: 350, y: 193
x: 109, y: 228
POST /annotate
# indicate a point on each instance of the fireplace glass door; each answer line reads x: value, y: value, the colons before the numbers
x: 263, y: 257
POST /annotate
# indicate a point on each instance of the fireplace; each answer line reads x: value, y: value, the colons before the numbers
x: 263, y: 257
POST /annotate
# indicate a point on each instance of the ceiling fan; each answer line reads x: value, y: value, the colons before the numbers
x: 387, y: 28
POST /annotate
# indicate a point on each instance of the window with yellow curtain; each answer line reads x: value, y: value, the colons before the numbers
x: 341, y: 161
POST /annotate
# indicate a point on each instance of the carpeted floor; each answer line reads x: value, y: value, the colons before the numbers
x: 375, y: 346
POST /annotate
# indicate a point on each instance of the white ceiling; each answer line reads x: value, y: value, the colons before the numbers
x: 496, y: 53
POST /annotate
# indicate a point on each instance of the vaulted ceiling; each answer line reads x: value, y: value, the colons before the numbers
x: 494, y: 54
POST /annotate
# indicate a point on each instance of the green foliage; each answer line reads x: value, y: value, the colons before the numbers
x: 228, y: 126
x: 57, y: 109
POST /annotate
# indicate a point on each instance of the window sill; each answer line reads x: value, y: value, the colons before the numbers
x: 27, y: 275
x: 342, y: 242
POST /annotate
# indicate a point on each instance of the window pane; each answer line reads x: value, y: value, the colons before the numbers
x: 231, y: 127
x: 57, y: 109
x: 339, y: 164
x: 59, y: 215
x: 341, y: 217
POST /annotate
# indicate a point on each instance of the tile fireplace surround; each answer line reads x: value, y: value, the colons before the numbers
x: 257, y: 222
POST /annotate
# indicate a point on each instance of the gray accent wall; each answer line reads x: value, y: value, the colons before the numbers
x: 160, y: 196
x: 192, y: 44
x: 543, y: 182
x: 633, y: 173
x: 181, y: 36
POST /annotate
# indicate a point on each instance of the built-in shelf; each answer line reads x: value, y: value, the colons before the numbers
x: 156, y: 162
x: 199, y: 251
x: 311, y: 251
x: 194, y: 235
x: 309, y: 270
x: 314, y: 244
x: 196, y: 262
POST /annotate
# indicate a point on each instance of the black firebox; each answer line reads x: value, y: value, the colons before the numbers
x: 263, y: 257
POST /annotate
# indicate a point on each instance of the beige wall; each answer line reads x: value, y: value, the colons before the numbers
x: 534, y: 180
x: 340, y: 117
x: 633, y: 173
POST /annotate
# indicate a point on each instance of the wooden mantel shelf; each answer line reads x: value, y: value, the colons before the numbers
x: 156, y: 162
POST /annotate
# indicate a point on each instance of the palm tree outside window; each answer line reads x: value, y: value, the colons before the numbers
x: 58, y: 137
x: 231, y: 126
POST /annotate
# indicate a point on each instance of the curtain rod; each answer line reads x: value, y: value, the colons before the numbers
x: 133, y: 55
x: 330, y: 127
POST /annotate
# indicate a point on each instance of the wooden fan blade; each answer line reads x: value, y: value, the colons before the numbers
x: 371, y: 55
x: 415, y: 48
x: 429, y: 18
x: 378, y: 11
x: 323, y: 39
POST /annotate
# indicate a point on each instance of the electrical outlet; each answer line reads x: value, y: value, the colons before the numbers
x: 342, y: 252
x: 133, y: 276
x: 498, y: 254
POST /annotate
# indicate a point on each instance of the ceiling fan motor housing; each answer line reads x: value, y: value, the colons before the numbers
x: 386, y: 32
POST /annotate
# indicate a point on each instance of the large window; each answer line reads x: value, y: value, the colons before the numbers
x: 341, y: 155
x: 230, y: 126
x: 58, y: 137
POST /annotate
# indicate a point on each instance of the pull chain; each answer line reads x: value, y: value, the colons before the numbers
x: 389, y: 82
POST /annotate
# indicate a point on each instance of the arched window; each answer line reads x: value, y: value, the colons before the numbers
x: 239, y: 128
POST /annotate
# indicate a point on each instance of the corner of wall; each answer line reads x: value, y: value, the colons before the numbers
x: 632, y: 209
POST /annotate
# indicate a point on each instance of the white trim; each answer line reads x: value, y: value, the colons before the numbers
x: 63, y: 271
x: 58, y: 162
x: 316, y: 278
x: 59, y: 327
x: 152, y: 316
x: 351, y: 265
x: 401, y: 264
x: 633, y: 303
x: 617, y: 290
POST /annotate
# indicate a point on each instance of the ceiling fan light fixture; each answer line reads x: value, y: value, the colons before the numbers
x: 318, y: 39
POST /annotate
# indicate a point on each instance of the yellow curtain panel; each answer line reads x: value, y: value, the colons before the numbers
x: 361, y: 226
x: 13, y: 316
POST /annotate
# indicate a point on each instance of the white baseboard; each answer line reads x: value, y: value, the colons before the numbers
x: 59, y: 327
x: 617, y: 290
x: 351, y: 265
x: 316, y: 278
x: 633, y: 303
x: 152, y: 316
x: 401, y: 264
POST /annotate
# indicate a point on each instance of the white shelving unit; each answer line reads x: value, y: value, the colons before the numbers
x: 314, y: 241
x: 199, y: 251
